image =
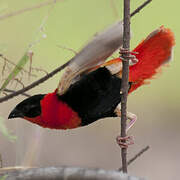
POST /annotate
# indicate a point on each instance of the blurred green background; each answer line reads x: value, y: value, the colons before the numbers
x: 71, y: 23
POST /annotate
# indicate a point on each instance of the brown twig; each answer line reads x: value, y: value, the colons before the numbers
x: 1, y: 163
x: 12, y: 63
x: 140, y: 7
x: 66, y: 48
x: 12, y: 91
x: 21, y: 11
x: 134, y: 12
x: 136, y: 156
x: 34, y: 83
x: 46, y: 77
x: 114, y: 8
x: 125, y: 73
x: 41, y: 28
x: 39, y: 70
x: 4, y: 67
x: 125, y: 77
x: 30, y: 54
x: 18, y: 81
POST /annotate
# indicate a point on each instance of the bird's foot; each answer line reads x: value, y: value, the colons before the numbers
x: 129, y: 54
x: 124, y: 142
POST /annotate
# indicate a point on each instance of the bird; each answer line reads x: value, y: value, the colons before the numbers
x: 96, y: 93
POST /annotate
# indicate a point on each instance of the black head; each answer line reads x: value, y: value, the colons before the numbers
x: 30, y: 107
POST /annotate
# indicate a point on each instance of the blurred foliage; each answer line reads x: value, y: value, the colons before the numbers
x: 15, y: 71
x: 3, y: 177
x: 5, y: 131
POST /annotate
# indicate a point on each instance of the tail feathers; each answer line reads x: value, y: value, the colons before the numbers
x: 153, y: 52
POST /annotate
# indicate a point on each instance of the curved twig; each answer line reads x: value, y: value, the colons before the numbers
x: 21, y: 11
x: 12, y: 91
x: 140, y: 7
x: 136, y: 156
x: 34, y: 83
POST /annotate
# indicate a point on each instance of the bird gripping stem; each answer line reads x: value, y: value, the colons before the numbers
x: 125, y: 78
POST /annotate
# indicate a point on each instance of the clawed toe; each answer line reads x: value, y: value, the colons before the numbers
x: 124, y: 142
x: 131, y: 55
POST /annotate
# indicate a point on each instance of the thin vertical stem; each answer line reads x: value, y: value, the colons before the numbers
x: 125, y: 77
x: 1, y: 163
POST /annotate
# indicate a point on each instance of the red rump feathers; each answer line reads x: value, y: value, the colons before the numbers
x: 153, y: 52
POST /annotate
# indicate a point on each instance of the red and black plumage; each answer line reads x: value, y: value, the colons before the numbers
x: 97, y: 93
x: 94, y: 96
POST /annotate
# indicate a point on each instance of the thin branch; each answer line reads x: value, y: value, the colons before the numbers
x: 30, y: 54
x: 114, y: 8
x: 125, y: 73
x: 18, y: 81
x: 1, y: 162
x: 140, y: 7
x: 69, y: 49
x: 21, y: 11
x: 12, y: 63
x: 125, y: 78
x: 41, y: 28
x: 136, y: 156
x: 4, y: 67
x: 12, y: 91
x: 46, y: 77
x: 35, y: 83
x: 39, y: 70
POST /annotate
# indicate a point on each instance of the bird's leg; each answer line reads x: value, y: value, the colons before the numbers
x: 132, y: 117
x: 122, y: 141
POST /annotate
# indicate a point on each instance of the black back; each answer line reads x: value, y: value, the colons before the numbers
x: 94, y: 96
